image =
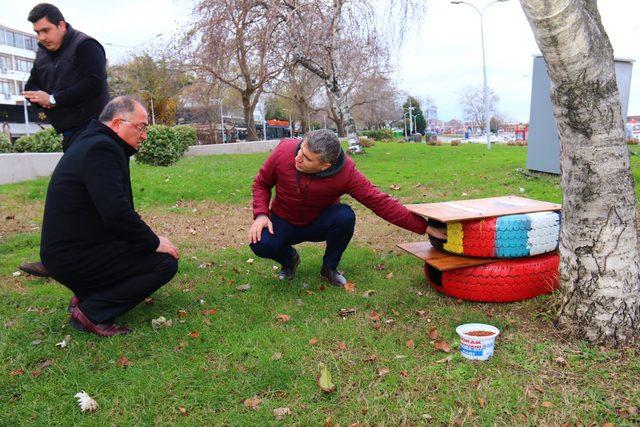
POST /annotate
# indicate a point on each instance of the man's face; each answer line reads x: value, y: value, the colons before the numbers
x: 49, y: 35
x: 309, y: 162
x: 133, y: 130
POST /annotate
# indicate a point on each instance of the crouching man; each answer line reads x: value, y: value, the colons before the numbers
x: 309, y: 178
x: 93, y: 241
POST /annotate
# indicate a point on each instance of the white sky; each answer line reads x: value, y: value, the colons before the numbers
x: 441, y: 56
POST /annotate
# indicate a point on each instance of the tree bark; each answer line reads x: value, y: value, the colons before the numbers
x: 248, y: 107
x: 599, y: 268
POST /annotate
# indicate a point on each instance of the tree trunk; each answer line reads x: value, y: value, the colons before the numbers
x: 599, y: 268
x: 248, y: 109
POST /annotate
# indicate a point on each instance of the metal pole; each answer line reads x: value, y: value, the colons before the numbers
x: 410, y: 119
x: 26, y: 113
x: 264, y: 124
x: 224, y: 140
x: 404, y: 122
x: 487, y: 119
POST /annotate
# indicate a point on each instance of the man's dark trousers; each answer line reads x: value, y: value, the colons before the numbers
x: 335, y: 226
x: 111, y: 288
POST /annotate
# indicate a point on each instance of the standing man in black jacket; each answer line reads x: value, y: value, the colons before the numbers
x: 68, y: 80
x: 93, y: 241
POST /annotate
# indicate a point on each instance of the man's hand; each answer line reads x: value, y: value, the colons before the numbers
x: 166, y: 247
x: 38, y: 97
x: 255, y: 232
x: 438, y: 233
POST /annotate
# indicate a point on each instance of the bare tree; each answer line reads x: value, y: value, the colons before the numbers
x: 376, y: 102
x: 335, y: 41
x: 471, y: 100
x: 299, y: 86
x: 600, y: 266
x: 239, y: 43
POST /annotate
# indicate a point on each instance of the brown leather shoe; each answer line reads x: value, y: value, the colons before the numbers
x: 34, y: 269
x: 333, y: 276
x: 73, y: 303
x: 82, y: 323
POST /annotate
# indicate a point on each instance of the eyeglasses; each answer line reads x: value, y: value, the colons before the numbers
x: 141, y: 127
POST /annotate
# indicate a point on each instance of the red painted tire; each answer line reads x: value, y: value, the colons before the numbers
x: 502, y: 281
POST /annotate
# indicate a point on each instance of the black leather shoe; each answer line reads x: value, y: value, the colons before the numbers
x: 333, y: 276
x: 34, y: 269
x: 289, y: 273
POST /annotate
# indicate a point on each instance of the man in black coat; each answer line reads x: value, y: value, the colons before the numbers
x: 68, y: 80
x: 93, y: 241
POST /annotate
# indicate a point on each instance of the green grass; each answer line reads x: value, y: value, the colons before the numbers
x: 233, y: 359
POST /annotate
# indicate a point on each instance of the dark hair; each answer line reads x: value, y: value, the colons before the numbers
x: 119, y: 105
x: 45, y: 10
x: 325, y: 143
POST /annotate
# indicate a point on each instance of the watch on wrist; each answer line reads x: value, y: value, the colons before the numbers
x: 52, y: 100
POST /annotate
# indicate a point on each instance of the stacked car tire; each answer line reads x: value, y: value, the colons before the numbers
x: 524, y: 248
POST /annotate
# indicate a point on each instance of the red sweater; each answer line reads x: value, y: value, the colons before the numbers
x: 301, y: 198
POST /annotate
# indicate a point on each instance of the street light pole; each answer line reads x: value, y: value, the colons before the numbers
x: 26, y: 112
x: 153, y: 113
x: 221, y: 121
x: 410, y: 119
x: 487, y: 118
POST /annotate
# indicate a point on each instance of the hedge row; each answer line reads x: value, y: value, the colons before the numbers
x: 163, y: 147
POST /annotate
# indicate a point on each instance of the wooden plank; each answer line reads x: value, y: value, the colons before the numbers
x: 461, y: 210
x: 441, y: 260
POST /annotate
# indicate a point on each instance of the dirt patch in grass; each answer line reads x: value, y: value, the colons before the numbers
x: 15, y: 218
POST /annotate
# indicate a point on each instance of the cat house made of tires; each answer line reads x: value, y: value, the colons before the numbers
x: 505, y: 280
x: 508, y: 236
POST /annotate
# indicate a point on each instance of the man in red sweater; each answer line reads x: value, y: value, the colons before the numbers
x: 309, y: 177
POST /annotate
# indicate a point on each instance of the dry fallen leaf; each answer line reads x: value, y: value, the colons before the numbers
x: 243, y: 288
x: 250, y: 261
x: 447, y: 359
x: 344, y: 312
x: 149, y: 301
x: 86, y: 402
x: 324, y: 380
x: 350, y: 287
x: 404, y: 374
x: 280, y: 413
x: 283, y: 318
x: 382, y: 372
x: 374, y: 315
x: 390, y: 275
x: 421, y: 313
x: 410, y: 344
x: 371, y: 358
x: 210, y: 312
x: 183, y: 411
x: 45, y: 363
x: 433, y: 334
x: 481, y: 402
x: 546, y: 404
x: 313, y: 341
x: 161, y: 322
x: 65, y: 342
x: 194, y: 334
x: 16, y: 372
x: 367, y: 294
x: 123, y: 362
x: 443, y: 346
x: 253, y: 403
x: 395, y: 187
x: 561, y: 361
x: 342, y: 346
x: 182, y: 313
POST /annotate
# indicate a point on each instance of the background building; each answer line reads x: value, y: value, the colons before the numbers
x: 17, y: 53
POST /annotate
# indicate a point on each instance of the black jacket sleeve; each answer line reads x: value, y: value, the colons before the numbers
x: 104, y: 176
x: 91, y: 64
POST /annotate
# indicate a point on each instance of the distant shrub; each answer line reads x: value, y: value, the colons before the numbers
x: 161, y: 148
x: 521, y: 143
x: 455, y: 142
x: 186, y: 135
x: 44, y: 141
x: 366, y: 141
x: 434, y: 143
x: 511, y: 143
x: 5, y: 143
x: 378, y: 134
x: 633, y: 141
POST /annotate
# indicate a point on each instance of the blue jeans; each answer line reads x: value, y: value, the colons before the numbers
x: 335, y: 226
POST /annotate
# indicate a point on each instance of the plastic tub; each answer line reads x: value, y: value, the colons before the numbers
x: 477, y: 347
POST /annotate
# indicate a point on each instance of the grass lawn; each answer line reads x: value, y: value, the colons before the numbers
x: 202, y: 369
